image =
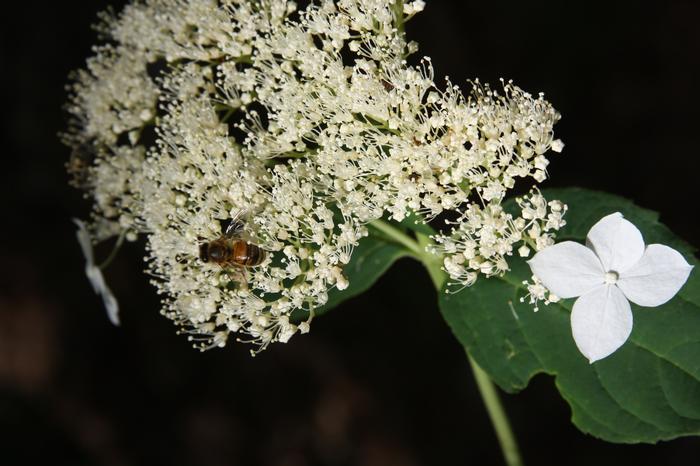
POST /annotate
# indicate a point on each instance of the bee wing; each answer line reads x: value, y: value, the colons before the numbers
x: 237, y: 224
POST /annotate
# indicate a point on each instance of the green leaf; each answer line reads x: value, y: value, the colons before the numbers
x: 648, y: 390
x: 371, y: 258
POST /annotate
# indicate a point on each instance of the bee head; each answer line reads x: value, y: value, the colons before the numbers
x: 204, y: 252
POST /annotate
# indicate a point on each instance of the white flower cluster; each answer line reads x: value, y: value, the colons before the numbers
x: 313, y: 124
x: 484, y: 235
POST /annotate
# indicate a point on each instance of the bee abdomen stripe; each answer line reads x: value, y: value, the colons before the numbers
x: 253, y: 255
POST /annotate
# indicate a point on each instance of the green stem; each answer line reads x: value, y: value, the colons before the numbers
x: 489, y: 394
x: 397, y: 7
x: 229, y: 112
x: 499, y: 419
x: 431, y: 262
x: 115, y: 249
x: 399, y: 237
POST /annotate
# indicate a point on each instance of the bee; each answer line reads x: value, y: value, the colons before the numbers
x: 232, y: 250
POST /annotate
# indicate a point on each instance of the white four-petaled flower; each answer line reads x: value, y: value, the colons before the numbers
x: 611, y: 269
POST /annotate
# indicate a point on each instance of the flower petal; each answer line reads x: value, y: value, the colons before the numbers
x: 98, y: 283
x: 111, y: 305
x: 84, y: 241
x: 656, y: 278
x: 601, y: 321
x: 617, y: 242
x: 567, y: 269
x: 94, y: 275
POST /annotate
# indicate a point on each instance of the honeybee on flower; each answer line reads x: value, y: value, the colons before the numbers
x: 232, y: 249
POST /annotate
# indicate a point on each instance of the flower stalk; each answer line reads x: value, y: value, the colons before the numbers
x: 418, y: 249
x: 499, y: 419
x: 398, y: 237
x: 397, y: 9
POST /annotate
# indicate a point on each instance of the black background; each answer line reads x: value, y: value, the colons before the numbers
x: 379, y: 381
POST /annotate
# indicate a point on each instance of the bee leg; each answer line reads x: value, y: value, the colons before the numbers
x: 238, y: 277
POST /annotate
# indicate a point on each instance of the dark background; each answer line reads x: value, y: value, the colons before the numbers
x: 379, y: 381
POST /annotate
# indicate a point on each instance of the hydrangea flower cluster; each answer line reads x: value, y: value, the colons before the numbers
x: 313, y: 124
